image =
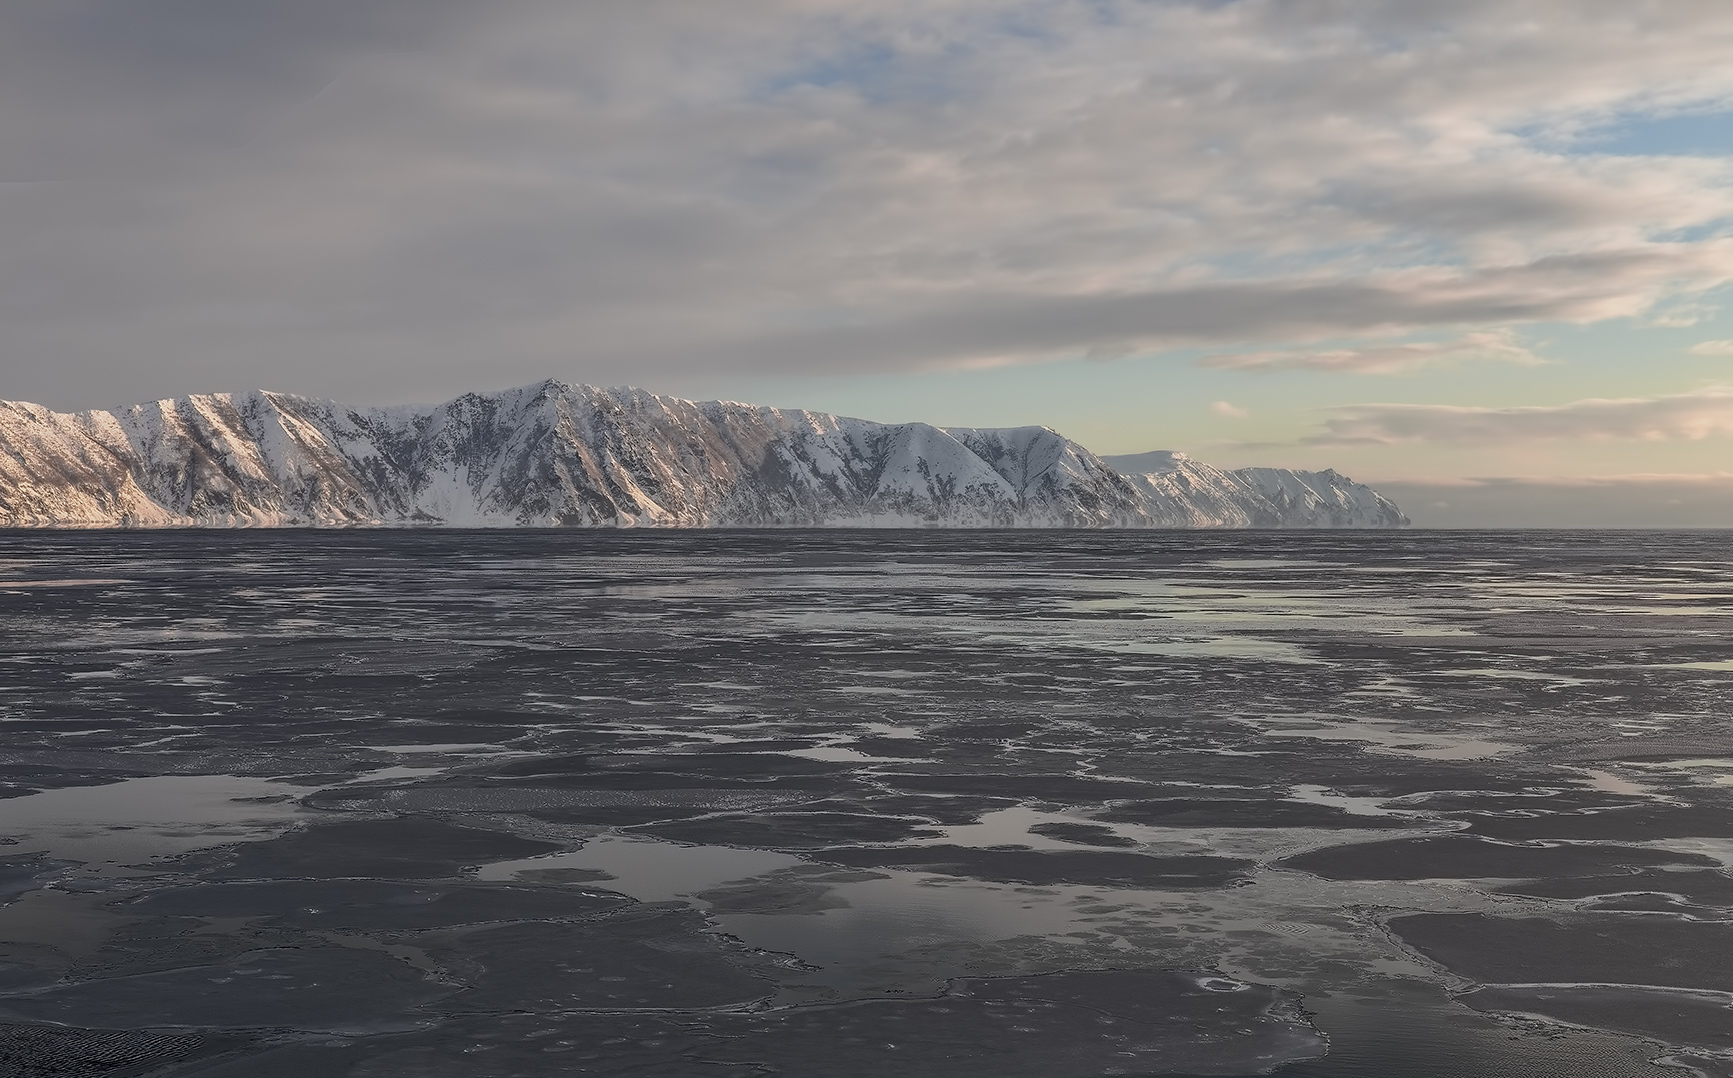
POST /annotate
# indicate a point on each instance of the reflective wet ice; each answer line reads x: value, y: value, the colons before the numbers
x: 424, y: 803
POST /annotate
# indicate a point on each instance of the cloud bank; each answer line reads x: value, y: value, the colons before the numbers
x: 342, y: 196
x: 1694, y: 416
x: 1494, y: 346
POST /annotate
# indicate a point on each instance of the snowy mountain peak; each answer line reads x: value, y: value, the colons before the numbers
x: 556, y: 454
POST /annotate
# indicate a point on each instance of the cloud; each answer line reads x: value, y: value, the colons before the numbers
x: 1231, y: 411
x: 94, y: 86
x: 390, y: 198
x: 1492, y: 346
x: 1032, y: 326
x: 1712, y: 348
x: 1685, y: 416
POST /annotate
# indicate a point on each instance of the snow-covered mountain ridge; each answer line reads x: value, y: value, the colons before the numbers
x: 554, y: 454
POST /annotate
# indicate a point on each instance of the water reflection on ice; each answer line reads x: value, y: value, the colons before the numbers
x: 1607, y: 782
x: 386, y: 774
x: 1724, y: 666
x: 887, y: 912
x: 1394, y: 738
x: 138, y: 819
x: 902, y: 912
x: 844, y: 754
x: 650, y: 870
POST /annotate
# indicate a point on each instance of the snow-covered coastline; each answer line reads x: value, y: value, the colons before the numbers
x: 554, y: 454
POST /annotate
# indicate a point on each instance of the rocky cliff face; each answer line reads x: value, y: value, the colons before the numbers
x: 555, y: 454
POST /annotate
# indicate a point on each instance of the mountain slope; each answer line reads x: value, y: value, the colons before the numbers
x: 555, y: 454
x: 1179, y: 492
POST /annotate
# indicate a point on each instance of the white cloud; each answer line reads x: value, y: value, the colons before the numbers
x: 1228, y: 409
x: 1712, y: 348
x: 1685, y: 416
x: 454, y: 194
x: 1499, y: 346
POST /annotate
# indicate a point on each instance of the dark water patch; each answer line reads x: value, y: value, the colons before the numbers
x: 793, y: 831
x: 1061, y: 789
x: 750, y: 766
x: 1699, y: 886
x: 353, y: 657
x: 20, y: 977
x: 134, y: 945
x: 136, y: 820
x: 953, y: 810
x: 1083, y: 834
x: 22, y: 780
x: 1068, y: 1025
x: 1244, y: 812
x: 817, y: 780
x: 752, y: 747
x: 1649, y: 746
x: 545, y: 765
x: 504, y: 727
x: 1079, y: 1025
x: 369, y: 905
x: 309, y: 987
x: 1526, y: 803
x: 556, y: 804
x: 1671, y: 904
x: 615, y: 815
x: 1466, y: 857
x: 621, y: 1045
x: 803, y: 889
x: 992, y: 733
x: 646, y: 956
x: 562, y: 877
x: 1693, y: 1019
x: 891, y: 748
x: 1637, y: 823
x: 394, y: 849
x: 1343, y: 766
x: 1603, y: 948
x: 25, y: 873
x: 1409, y: 1029
x: 1044, y: 868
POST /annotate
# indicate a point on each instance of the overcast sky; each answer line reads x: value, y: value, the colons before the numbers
x: 1479, y: 251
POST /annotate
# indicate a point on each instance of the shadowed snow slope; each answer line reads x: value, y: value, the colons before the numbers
x: 556, y: 454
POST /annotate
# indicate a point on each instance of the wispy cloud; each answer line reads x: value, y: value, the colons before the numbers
x: 1701, y: 414
x: 1229, y: 410
x: 1496, y: 346
x: 1712, y: 348
x: 1032, y: 326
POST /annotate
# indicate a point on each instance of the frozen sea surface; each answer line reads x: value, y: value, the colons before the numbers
x: 1006, y: 804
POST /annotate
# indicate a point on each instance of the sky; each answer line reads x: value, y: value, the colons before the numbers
x: 1479, y: 254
